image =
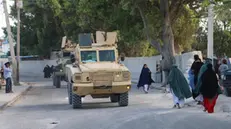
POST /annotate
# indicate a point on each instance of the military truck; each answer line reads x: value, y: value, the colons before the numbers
x: 63, y: 59
x: 96, y: 71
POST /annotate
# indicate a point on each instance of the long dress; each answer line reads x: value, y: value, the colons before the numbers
x: 178, y: 85
x: 209, y: 89
x: 144, y: 80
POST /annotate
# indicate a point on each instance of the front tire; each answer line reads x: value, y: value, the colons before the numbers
x: 76, y: 101
x: 69, y: 90
x: 123, y: 99
x: 58, y: 81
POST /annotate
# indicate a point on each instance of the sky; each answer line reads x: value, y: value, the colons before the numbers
x: 2, y: 16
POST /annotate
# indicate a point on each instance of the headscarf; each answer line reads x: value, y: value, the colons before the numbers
x: 209, y: 85
x: 144, y: 77
x: 202, y: 70
x: 178, y: 83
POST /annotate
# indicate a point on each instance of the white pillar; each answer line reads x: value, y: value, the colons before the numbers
x: 210, y: 32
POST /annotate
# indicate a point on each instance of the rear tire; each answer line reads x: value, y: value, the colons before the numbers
x: 114, y: 98
x: 76, y: 101
x: 69, y: 90
x: 123, y: 99
x: 58, y: 81
x: 54, y: 81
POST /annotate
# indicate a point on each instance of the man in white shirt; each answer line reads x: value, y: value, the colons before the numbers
x: 8, y: 76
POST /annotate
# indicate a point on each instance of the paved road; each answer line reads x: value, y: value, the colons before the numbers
x: 45, y: 107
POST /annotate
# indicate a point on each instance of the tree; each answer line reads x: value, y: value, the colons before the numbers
x: 222, y: 31
x: 40, y: 28
x: 171, y: 13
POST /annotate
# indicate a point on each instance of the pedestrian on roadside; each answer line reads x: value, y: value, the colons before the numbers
x: 145, y: 79
x: 195, y: 68
x: 222, y: 68
x: 8, y: 76
x: 210, y: 88
x: 178, y: 86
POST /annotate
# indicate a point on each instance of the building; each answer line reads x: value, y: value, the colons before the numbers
x: 4, y: 47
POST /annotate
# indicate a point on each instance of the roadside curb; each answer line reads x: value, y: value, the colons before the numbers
x: 5, y: 105
x: 152, y: 87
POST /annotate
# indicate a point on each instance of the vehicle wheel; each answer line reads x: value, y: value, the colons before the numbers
x: 58, y: 81
x: 54, y: 81
x: 76, y: 101
x: 69, y: 90
x: 114, y: 98
x: 123, y: 99
x: 227, y: 92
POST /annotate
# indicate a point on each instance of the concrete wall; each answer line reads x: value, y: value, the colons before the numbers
x: 134, y: 64
x: 34, y: 68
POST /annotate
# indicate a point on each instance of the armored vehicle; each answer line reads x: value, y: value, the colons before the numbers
x: 96, y: 71
x: 63, y: 59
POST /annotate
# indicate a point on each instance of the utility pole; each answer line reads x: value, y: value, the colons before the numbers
x: 210, y: 32
x: 10, y: 41
x: 19, y: 5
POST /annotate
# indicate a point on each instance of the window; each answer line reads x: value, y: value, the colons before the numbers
x: 107, y: 55
x: 88, y: 56
x: 66, y: 54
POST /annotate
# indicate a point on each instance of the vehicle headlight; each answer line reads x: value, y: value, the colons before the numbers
x: 118, y: 76
x: 61, y: 70
x: 85, y: 77
x: 126, y: 76
x: 77, y: 77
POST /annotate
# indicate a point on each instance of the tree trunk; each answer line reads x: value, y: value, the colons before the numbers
x: 167, y: 51
x: 12, y: 53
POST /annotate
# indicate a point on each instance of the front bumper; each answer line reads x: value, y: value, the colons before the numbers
x: 83, y: 89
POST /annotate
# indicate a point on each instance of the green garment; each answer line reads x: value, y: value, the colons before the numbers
x: 201, y: 72
x: 178, y: 83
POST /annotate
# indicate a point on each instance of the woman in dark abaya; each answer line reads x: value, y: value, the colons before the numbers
x: 209, y: 88
x: 145, y: 79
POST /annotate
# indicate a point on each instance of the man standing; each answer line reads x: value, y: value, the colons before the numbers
x: 8, y: 76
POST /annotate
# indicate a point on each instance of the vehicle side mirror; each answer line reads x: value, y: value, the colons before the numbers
x: 122, y: 58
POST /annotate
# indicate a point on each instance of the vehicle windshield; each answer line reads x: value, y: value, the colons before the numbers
x: 88, y: 56
x: 106, y: 55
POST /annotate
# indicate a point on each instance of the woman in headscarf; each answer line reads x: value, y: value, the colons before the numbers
x: 195, y: 68
x: 209, y: 88
x: 145, y: 79
x: 179, y: 87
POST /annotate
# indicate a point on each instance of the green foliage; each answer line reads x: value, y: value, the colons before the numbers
x: 44, y: 22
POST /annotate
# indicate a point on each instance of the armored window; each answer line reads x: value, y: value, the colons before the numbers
x: 88, y: 56
x: 106, y: 55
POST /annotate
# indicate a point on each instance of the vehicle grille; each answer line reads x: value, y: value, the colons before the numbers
x: 102, y: 76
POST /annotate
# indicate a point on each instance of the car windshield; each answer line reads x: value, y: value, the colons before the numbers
x: 88, y: 56
x: 106, y: 55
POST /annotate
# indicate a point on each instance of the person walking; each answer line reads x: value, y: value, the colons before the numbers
x: 195, y: 68
x: 145, y: 79
x: 222, y: 68
x: 178, y: 86
x: 8, y: 75
x: 209, y: 88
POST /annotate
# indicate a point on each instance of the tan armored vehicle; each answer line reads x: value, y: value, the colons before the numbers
x: 63, y: 59
x: 96, y: 71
